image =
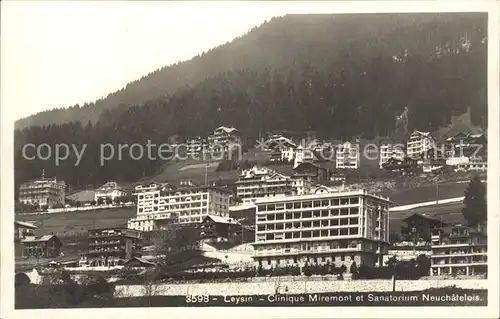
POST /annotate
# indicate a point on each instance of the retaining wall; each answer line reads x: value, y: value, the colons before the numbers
x: 294, y: 287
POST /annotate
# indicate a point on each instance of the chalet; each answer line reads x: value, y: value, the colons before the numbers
x: 310, y: 172
x: 216, y: 228
x: 23, y: 230
x: 418, y: 143
x: 405, y: 166
x: 420, y: 227
x: 47, y: 246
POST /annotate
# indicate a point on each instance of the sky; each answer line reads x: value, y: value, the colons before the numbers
x: 61, y: 53
x: 58, y: 54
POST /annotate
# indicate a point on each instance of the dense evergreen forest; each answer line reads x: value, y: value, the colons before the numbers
x: 342, y: 76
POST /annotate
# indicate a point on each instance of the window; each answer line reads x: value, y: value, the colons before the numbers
x: 324, y: 233
x: 288, y: 226
x: 325, y: 203
x: 334, y: 212
x: 307, y: 204
x: 353, y: 210
x: 335, y: 202
x: 344, y: 201
x: 294, y: 260
x: 306, y: 215
x: 324, y: 213
x: 306, y: 224
x: 323, y: 259
x: 262, y: 208
x: 260, y: 228
x: 270, y: 216
x: 269, y: 236
x: 288, y: 215
x: 316, y: 223
x: 316, y: 233
x: 317, y: 203
x: 353, y: 231
x: 279, y: 226
x: 343, y: 221
x: 296, y: 225
x: 344, y: 212
x: 289, y: 206
x: 296, y: 234
x: 334, y: 222
x: 343, y: 232
x: 324, y: 223
x: 353, y: 221
x: 280, y: 216
x: 288, y: 235
x: 297, y: 205
x: 354, y: 200
x: 271, y: 207
x: 296, y: 215
x: 306, y: 234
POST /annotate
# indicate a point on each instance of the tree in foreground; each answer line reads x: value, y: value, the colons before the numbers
x: 475, y: 207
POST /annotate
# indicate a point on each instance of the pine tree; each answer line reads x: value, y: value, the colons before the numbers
x: 475, y: 208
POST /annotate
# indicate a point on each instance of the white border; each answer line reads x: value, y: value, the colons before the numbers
x: 492, y: 311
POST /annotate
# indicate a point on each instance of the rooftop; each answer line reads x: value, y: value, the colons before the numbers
x: 285, y: 198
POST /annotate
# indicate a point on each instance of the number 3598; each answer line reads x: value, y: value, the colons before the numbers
x: 197, y: 299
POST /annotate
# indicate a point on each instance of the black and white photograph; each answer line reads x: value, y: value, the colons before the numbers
x: 295, y: 159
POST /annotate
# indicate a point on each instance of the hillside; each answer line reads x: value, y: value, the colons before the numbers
x: 280, y: 43
x: 341, y: 76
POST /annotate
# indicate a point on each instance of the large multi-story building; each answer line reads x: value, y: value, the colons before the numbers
x: 109, y: 190
x: 338, y: 227
x: 43, y: 192
x: 224, y: 140
x: 388, y: 151
x: 459, y: 250
x: 418, y: 143
x: 347, y: 156
x: 159, y: 204
x: 112, y: 246
x: 261, y: 182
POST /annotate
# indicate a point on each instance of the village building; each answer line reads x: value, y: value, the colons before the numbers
x: 224, y: 140
x: 261, y: 182
x: 109, y: 190
x: 23, y: 230
x: 420, y: 227
x: 43, y: 192
x: 389, y: 151
x: 418, y: 143
x: 112, y: 246
x: 459, y: 250
x: 47, y: 246
x: 334, y: 227
x: 159, y: 205
x: 311, y: 172
x: 217, y: 229
x: 282, y: 149
x: 347, y: 156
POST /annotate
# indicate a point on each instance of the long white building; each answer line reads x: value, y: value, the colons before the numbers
x: 109, y: 190
x: 159, y: 204
x: 347, y: 156
x: 419, y: 143
x: 335, y: 227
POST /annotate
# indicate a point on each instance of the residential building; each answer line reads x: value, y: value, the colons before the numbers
x: 418, y: 143
x: 404, y: 166
x: 388, y: 151
x: 420, y: 226
x: 43, y: 192
x: 335, y: 227
x: 312, y: 172
x: 224, y: 140
x: 160, y: 205
x: 195, y: 146
x: 112, y: 246
x: 261, y: 182
x: 347, y: 156
x: 283, y: 149
x: 300, y: 185
x: 23, y: 230
x: 303, y: 154
x: 47, y: 246
x: 459, y: 250
x: 216, y: 229
x: 109, y: 190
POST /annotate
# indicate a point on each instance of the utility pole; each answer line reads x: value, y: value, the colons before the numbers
x: 437, y: 193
